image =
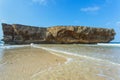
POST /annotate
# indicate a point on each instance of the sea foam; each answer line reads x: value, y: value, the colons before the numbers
x: 109, y: 44
x: 12, y: 46
x: 69, y: 53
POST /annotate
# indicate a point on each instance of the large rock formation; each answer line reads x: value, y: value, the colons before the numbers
x: 22, y: 34
x: 79, y: 34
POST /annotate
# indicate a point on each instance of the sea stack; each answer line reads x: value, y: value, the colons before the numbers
x: 24, y: 34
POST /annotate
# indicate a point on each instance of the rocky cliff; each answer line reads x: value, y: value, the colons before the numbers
x: 23, y: 34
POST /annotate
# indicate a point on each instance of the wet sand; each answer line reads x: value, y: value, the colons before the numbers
x: 39, y: 64
x: 26, y: 63
x: 80, y: 68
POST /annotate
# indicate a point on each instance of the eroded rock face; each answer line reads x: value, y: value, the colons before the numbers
x: 22, y: 34
x: 78, y: 34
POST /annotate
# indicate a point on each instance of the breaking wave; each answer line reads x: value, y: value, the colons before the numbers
x: 109, y: 44
x: 12, y: 46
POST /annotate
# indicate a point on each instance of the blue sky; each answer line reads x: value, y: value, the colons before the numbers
x: 96, y: 13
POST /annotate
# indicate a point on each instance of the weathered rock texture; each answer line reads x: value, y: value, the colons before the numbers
x: 78, y: 34
x: 22, y: 34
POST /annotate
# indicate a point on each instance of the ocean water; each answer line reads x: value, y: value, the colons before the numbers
x: 5, y: 47
x: 105, y: 52
x: 102, y: 51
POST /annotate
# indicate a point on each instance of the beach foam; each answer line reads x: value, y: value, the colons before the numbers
x: 68, y: 59
x: 26, y: 63
x: 12, y: 46
x: 108, y: 44
x: 31, y: 60
x: 69, y: 53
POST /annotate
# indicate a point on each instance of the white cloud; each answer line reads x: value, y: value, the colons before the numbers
x: 44, y: 2
x: 118, y: 23
x: 90, y: 9
x: 41, y: 2
x: 109, y: 1
x: 2, y: 20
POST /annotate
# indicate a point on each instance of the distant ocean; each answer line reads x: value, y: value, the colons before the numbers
x: 1, y: 43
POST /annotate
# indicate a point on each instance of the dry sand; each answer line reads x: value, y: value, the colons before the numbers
x: 38, y: 64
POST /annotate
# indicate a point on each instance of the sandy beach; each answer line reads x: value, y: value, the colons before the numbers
x: 80, y: 68
x: 29, y: 63
x: 25, y: 63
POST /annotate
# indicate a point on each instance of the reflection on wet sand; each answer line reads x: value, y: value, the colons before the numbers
x: 22, y: 63
x: 29, y: 63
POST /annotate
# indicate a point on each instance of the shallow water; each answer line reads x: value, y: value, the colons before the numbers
x: 23, y: 62
x: 108, y: 53
x: 89, y: 62
x: 92, y: 62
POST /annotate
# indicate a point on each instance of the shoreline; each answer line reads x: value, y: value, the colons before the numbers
x: 54, y: 52
x: 68, y: 53
x: 37, y: 62
x: 81, y: 68
x: 27, y: 61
